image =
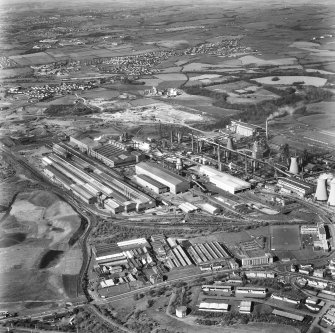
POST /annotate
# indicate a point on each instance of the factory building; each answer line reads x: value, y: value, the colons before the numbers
x: 187, y: 207
x: 288, y: 315
x: 224, y: 180
x: 209, y: 208
x: 153, y: 185
x: 244, y: 129
x: 112, y: 154
x: 296, y: 185
x: 255, y: 260
x: 106, y: 254
x: 217, y: 288
x: 245, y: 307
x: 260, y: 275
x: 250, y: 292
x: 87, y: 181
x: 174, y: 182
x: 213, y: 305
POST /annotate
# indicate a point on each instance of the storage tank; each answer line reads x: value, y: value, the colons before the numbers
x: 181, y: 311
x: 331, y: 198
x: 321, y: 189
x: 294, y: 168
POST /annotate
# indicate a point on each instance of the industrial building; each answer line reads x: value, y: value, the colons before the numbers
x: 217, y: 288
x: 110, y: 254
x: 288, y: 315
x: 250, y: 292
x: 297, y: 186
x: 207, y: 252
x: 112, y: 154
x: 256, y: 259
x: 174, y: 182
x: 244, y: 129
x: 320, y: 233
x: 260, y: 275
x: 187, y: 207
x: 224, y: 180
x: 284, y: 298
x: 209, y: 208
x: 91, y: 183
x: 213, y: 305
x: 245, y: 307
x: 153, y: 185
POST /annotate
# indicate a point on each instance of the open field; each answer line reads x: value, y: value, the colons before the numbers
x: 289, y: 80
x: 35, y: 250
x: 285, y: 237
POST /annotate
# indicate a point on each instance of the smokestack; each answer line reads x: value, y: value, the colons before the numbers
x: 266, y: 129
x: 192, y: 141
x: 219, y: 156
x: 331, y: 198
x: 321, y: 190
x: 171, y: 137
x: 255, y: 149
x: 294, y: 168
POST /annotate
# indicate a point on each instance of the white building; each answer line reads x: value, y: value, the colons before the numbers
x: 224, y: 180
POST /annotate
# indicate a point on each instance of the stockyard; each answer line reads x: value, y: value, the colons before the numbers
x: 36, y: 252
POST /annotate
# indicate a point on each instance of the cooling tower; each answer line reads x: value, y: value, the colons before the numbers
x: 331, y: 198
x: 321, y: 190
x: 294, y: 168
x: 230, y: 144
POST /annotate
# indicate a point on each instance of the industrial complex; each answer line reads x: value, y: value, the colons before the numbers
x: 167, y: 167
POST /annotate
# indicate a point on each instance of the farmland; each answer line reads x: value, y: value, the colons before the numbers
x: 35, y: 251
x: 290, y: 80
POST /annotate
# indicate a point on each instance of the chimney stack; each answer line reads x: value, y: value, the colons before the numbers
x: 266, y: 129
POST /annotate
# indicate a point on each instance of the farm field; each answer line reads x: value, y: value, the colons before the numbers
x: 322, y: 117
x: 285, y: 237
x: 289, y: 80
x: 35, y: 250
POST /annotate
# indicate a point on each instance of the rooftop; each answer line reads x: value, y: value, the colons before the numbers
x: 288, y: 315
x: 107, y: 249
x: 151, y: 181
x: 297, y: 182
x: 161, y: 172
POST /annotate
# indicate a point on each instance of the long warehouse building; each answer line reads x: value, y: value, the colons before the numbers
x: 174, y: 182
x: 118, y: 195
x: 224, y: 180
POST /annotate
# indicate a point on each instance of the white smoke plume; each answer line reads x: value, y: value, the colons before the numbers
x: 281, y: 112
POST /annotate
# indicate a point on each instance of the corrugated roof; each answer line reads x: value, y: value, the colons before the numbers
x: 159, y: 171
x: 151, y: 181
x: 288, y: 315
